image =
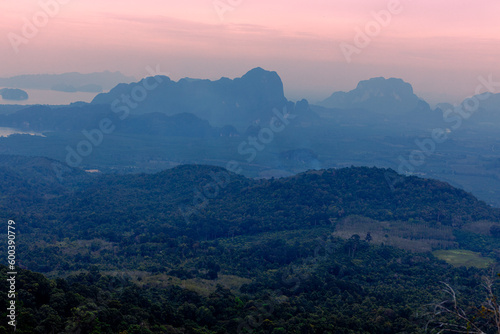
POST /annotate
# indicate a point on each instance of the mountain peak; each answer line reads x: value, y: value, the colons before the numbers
x: 379, y: 95
x: 389, y: 85
x: 238, y: 102
x: 265, y: 80
x: 258, y: 72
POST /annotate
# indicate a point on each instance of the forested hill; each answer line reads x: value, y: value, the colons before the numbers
x: 198, y: 249
x: 210, y: 202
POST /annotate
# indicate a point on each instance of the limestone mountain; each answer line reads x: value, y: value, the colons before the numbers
x: 380, y: 95
x: 240, y: 102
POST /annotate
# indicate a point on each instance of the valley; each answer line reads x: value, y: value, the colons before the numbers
x: 212, y: 226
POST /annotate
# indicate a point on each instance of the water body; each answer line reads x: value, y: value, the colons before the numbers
x: 5, y: 132
x: 41, y: 96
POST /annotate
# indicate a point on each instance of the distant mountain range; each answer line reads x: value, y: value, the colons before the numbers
x: 84, y: 116
x: 240, y: 102
x: 484, y: 109
x: 67, y: 82
x: 159, y: 123
x: 191, y: 108
x: 478, y: 112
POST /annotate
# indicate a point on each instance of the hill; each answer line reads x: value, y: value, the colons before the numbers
x: 207, y: 202
x: 13, y: 94
x: 79, y: 117
x: 200, y: 249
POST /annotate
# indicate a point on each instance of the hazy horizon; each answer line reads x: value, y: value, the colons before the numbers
x: 439, y: 48
x: 52, y: 97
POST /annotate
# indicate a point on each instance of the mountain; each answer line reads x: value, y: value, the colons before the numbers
x: 194, y: 192
x: 6, y: 109
x: 444, y: 106
x: 205, y: 203
x: 241, y: 102
x: 30, y: 181
x: 13, y: 94
x: 91, y: 82
x: 89, y: 88
x: 484, y: 109
x: 156, y: 138
x: 384, y: 96
x: 479, y: 113
x: 40, y: 118
x: 488, y: 102
x: 178, y: 125
x: 79, y: 117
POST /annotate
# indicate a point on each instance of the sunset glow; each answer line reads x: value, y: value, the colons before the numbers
x: 439, y: 47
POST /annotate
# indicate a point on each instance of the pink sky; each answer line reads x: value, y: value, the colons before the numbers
x: 440, y: 47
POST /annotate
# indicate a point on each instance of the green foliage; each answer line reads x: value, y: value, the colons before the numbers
x: 275, y: 236
x: 460, y: 257
x: 376, y: 289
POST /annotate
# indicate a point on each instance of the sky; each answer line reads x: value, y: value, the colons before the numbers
x: 316, y: 46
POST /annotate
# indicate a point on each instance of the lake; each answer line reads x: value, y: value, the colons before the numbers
x: 5, y: 132
x: 41, y: 96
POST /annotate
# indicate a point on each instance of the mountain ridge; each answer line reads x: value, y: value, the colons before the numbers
x: 385, y: 96
x: 240, y: 102
x: 333, y: 193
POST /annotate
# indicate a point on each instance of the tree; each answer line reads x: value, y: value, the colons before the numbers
x: 495, y: 231
x: 485, y: 321
x: 368, y: 237
x: 352, y: 244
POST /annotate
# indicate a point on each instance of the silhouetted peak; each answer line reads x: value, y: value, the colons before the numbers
x: 238, y: 102
x: 261, y: 76
x: 379, y: 95
x: 382, y: 86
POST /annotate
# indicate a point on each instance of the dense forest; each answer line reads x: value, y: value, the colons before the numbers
x: 200, y: 249
x: 293, y: 289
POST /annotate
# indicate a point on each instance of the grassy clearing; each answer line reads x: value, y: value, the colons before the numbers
x: 413, y: 236
x: 461, y: 257
x: 199, y: 285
